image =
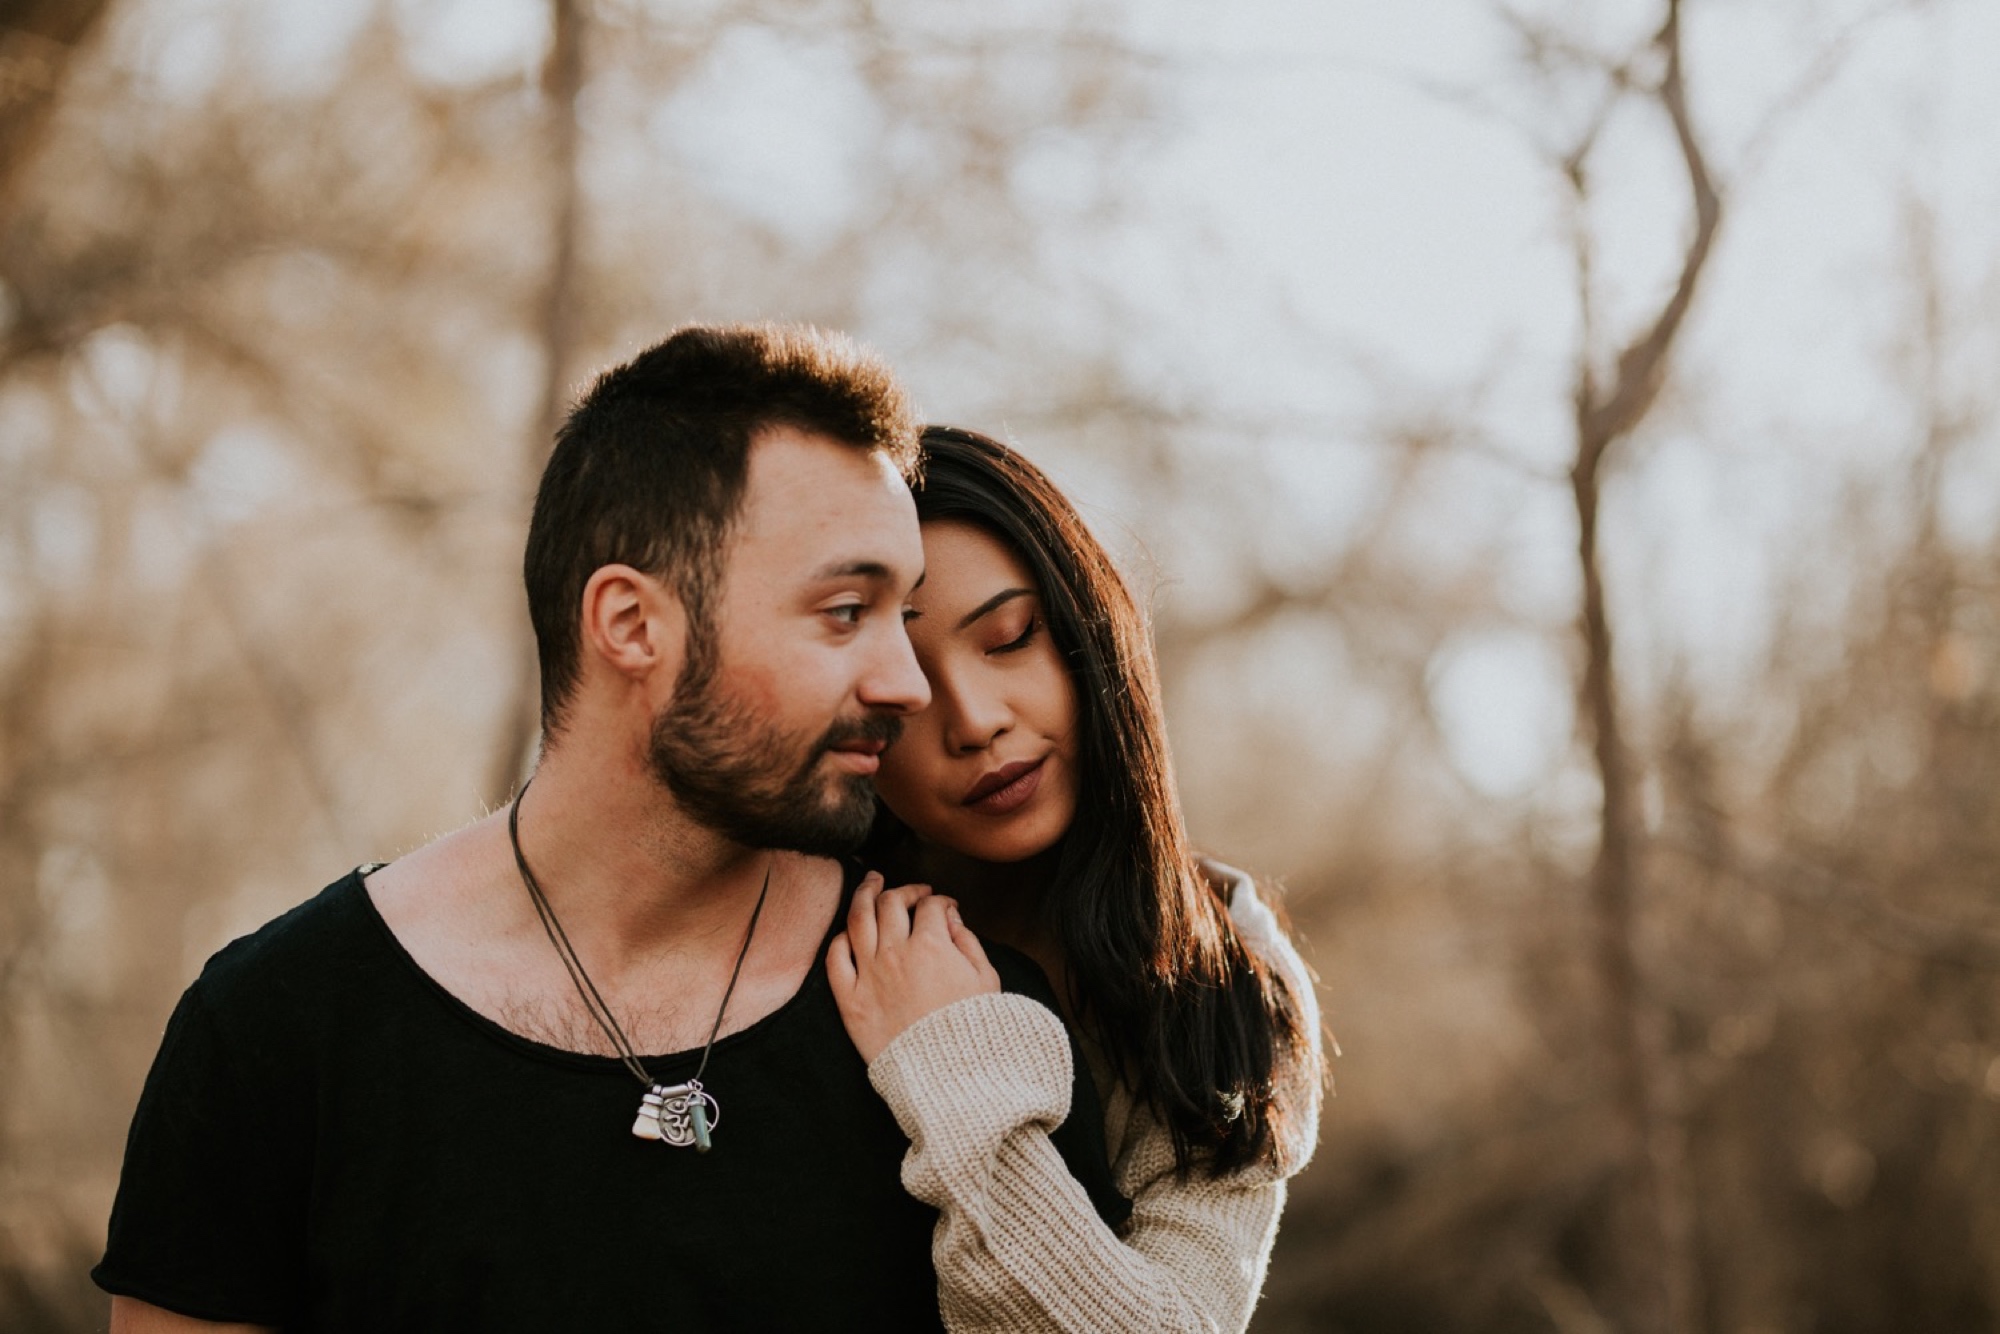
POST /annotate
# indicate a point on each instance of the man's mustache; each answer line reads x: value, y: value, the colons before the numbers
x: 881, y: 727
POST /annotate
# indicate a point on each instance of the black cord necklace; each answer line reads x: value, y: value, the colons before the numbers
x: 680, y: 1114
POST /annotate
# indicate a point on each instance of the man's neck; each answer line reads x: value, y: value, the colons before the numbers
x: 656, y: 907
x: 620, y: 863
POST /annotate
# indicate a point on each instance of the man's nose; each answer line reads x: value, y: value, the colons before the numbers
x: 895, y: 683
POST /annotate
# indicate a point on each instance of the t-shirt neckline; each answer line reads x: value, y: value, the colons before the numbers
x: 656, y: 1064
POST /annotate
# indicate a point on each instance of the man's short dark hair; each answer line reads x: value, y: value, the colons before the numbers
x: 651, y: 466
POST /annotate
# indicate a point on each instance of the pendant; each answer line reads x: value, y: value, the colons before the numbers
x: 680, y: 1114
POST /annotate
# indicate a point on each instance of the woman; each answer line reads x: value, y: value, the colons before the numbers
x: 1036, y: 791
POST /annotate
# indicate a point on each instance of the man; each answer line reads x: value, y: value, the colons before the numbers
x: 429, y: 1098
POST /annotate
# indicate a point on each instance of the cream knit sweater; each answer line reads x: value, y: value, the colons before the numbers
x: 978, y: 1085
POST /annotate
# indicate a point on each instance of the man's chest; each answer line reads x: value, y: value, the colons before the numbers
x: 498, y: 1193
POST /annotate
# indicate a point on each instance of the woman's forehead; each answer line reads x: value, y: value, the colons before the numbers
x: 964, y: 562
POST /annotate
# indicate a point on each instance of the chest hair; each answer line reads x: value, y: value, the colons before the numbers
x: 657, y: 1029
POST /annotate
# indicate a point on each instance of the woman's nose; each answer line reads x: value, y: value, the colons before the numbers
x: 973, y: 720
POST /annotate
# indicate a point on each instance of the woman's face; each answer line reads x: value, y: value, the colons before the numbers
x: 989, y: 769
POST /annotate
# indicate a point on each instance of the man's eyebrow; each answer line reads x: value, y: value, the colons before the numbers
x: 851, y: 569
x: 1000, y: 599
x: 873, y: 570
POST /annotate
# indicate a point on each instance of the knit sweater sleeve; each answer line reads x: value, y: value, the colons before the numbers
x: 977, y: 1086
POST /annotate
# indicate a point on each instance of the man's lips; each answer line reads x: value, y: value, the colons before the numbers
x: 863, y: 755
x: 1006, y: 787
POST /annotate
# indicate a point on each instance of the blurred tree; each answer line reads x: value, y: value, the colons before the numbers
x: 562, y: 82
x: 38, y: 41
x: 1612, y: 401
x: 282, y: 333
x: 284, y: 322
x: 1790, y: 885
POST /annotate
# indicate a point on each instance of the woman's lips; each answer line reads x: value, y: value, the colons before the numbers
x: 1006, y: 788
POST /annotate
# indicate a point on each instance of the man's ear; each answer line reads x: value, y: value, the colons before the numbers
x: 634, y: 623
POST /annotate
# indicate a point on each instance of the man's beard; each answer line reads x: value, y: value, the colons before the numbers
x: 755, y: 784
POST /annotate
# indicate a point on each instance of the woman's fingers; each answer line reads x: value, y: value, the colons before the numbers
x: 892, y: 912
x: 905, y: 954
x: 933, y: 914
x: 861, y: 916
x: 975, y: 953
x: 938, y: 918
x: 840, y: 967
x: 877, y: 917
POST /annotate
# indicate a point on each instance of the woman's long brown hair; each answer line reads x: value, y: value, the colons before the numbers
x: 1196, y: 1024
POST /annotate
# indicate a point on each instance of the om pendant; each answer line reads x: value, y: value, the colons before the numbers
x: 680, y: 1114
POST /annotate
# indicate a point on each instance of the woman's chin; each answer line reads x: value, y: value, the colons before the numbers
x: 989, y: 845
x: 1011, y: 855
x: 1006, y: 847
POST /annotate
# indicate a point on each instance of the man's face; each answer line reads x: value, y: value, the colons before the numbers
x: 773, y: 739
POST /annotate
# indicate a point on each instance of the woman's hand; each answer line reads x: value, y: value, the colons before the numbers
x: 905, y: 953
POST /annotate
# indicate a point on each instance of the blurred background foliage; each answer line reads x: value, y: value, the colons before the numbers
x: 1658, y: 914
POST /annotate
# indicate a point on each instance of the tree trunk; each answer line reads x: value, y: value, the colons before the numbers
x: 562, y: 79
x: 1657, y: 1243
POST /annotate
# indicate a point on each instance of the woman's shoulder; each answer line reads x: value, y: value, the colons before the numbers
x: 1263, y: 932
x: 1258, y: 926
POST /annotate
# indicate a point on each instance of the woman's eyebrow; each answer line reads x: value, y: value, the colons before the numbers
x: 1000, y: 599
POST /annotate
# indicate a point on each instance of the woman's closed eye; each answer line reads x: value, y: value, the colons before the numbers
x: 1022, y: 640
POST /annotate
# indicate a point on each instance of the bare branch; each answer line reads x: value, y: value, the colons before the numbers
x: 1641, y: 367
x: 1818, y: 73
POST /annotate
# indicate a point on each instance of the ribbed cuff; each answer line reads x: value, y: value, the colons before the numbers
x: 977, y: 1067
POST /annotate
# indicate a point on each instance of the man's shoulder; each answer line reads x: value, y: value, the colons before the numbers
x: 291, y: 951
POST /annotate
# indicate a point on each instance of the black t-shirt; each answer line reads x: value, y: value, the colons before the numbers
x: 329, y: 1140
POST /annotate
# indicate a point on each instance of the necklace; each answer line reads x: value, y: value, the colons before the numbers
x: 680, y: 1114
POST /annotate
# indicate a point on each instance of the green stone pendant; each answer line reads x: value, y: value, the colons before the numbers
x: 698, y: 1113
